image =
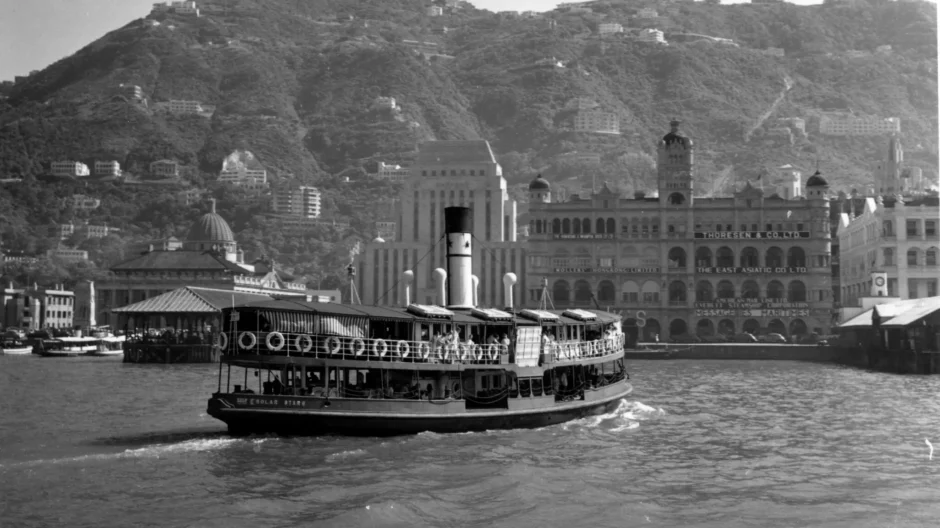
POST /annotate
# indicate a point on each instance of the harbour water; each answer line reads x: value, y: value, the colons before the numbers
x: 96, y: 442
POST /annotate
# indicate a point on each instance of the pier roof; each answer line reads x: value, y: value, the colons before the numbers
x: 897, y: 314
x: 191, y: 299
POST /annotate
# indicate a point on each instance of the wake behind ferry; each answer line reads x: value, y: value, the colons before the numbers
x: 294, y: 367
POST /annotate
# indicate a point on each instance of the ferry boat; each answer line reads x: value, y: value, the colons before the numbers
x: 109, y: 346
x: 67, y: 346
x: 292, y: 367
x: 14, y: 347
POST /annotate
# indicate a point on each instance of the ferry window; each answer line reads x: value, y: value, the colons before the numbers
x: 525, y: 388
x: 536, y: 386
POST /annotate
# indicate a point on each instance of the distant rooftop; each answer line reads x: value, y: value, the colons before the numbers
x: 472, y: 151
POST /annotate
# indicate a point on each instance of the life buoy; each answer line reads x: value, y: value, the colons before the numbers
x: 223, y: 341
x: 357, y: 346
x: 403, y: 350
x: 477, y: 352
x: 493, y: 352
x: 379, y: 348
x: 332, y: 345
x: 303, y: 343
x: 275, y: 336
x: 466, y: 352
x: 424, y: 350
x: 252, y: 340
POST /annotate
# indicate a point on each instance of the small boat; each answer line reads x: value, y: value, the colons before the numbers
x: 68, y: 346
x: 109, y: 346
x: 312, y: 368
x: 14, y: 347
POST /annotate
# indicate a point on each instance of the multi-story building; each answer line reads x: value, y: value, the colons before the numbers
x: 68, y: 254
x: 191, y: 196
x: 242, y: 169
x: 82, y: 202
x: 395, y: 173
x: 35, y: 308
x: 131, y: 91
x: 446, y: 173
x: 651, y: 35
x: 185, y: 8
x: 69, y: 168
x: 609, y: 28
x: 386, y: 230
x: 435, y: 10
x: 300, y: 201
x: 99, y: 231
x: 647, y: 12
x: 63, y: 231
x: 107, y: 168
x: 387, y: 103
x: 597, y: 121
x: 165, y: 169
x: 209, y: 257
x: 681, y: 265
x: 847, y: 124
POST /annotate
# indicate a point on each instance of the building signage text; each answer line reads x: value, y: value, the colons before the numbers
x: 752, y: 235
x: 768, y: 270
x: 584, y: 236
x: 606, y: 270
x: 762, y: 303
x: 730, y: 312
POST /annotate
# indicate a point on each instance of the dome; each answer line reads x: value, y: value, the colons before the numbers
x: 540, y: 184
x: 378, y: 240
x: 674, y: 136
x: 816, y: 180
x: 210, y: 228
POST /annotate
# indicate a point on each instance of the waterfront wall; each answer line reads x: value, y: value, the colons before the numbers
x: 165, y: 353
x: 744, y: 351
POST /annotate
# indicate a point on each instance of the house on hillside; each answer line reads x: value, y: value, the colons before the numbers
x: 165, y: 169
x: 435, y: 10
x: 609, y: 28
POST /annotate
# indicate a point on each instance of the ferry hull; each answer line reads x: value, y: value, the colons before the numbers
x: 307, y: 421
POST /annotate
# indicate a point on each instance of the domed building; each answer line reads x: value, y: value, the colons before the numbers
x: 209, y: 258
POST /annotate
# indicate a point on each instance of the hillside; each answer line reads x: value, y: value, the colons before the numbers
x: 294, y: 83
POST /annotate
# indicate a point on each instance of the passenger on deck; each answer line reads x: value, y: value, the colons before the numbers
x: 276, y: 386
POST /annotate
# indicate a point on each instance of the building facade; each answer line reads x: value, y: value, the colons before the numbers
x: 609, y: 28
x: 446, y: 173
x: 395, y: 173
x: 35, y: 308
x: 846, y: 124
x: 69, y: 168
x: 165, y: 169
x: 597, y: 121
x: 108, y: 168
x: 303, y: 202
x: 679, y: 265
x: 651, y: 35
x: 83, y: 202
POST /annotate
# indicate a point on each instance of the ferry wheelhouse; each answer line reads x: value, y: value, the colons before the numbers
x: 295, y: 367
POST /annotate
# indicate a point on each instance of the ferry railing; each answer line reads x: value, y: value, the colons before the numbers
x: 376, y: 349
x: 363, y: 349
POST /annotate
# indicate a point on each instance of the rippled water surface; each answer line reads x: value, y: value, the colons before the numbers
x: 94, y: 442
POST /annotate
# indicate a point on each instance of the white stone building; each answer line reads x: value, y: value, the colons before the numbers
x: 107, y: 168
x: 435, y: 10
x: 387, y: 103
x: 72, y: 255
x: 185, y: 8
x: 847, y: 124
x: 165, y: 169
x: 69, y: 168
x: 597, y: 121
x: 300, y: 201
x: 651, y: 35
x: 84, y: 203
x: 241, y: 168
x: 609, y: 28
x: 395, y: 173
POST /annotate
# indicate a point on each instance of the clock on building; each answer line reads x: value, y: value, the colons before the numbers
x: 879, y: 281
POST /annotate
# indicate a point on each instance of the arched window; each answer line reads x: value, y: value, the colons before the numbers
x: 630, y: 292
x: 889, y: 256
x: 676, y: 257
x: 725, y: 290
x: 776, y: 326
x: 651, y: 330
x: 931, y: 259
x: 703, y: 257
x: 677, y: 291
x: 912, y: 257
x: 724, y: 257
x: 750, y: 290
x: 611, y: 226
x: 576, y: 226
x: 586, y: 225
x: 566, y: 226
x: 751, y: 326
x: 797, y: 327
x: 705, y: 327
x: 678, y: 327
x: 582, y: 291
x: 599, y: 226
x: 888, y: 228
x: 796, y: 257
x: 774, y: 258
x: 606, y: 293
x: 775, y: 290
x: 561, y: 291
x: 704, y: 291
x: 749, y: 258
x: 796, y: 291
x: 676, y: 199
x: 650, y: 293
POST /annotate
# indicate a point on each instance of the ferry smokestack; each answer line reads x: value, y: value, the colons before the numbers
x: 440, y: 282
x: 509, y: 280
x: 457, y: 226
x: 408, y: 277
x: 476, y: 289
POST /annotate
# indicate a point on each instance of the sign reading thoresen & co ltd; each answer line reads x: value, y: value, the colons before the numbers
x: 752, y: 235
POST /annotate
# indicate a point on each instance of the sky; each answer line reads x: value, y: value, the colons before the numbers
x: 36, y: 33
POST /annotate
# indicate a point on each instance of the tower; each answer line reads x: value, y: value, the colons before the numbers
x: 675, y: 166
x: 888, y: 176
x: 791, y: 182
x: 540, y: 191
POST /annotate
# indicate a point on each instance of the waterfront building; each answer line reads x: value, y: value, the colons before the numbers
x: 108, y: 168
x: 446, y: 173
x: 69, y: 168
x: 303, y: 201
x: 679, y: 265
x: 35, y: 308
x: 597, y: 121
x: 209, y: 258
x: 847, y: 124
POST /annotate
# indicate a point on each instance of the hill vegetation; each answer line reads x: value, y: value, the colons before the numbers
x: 294, y: 83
